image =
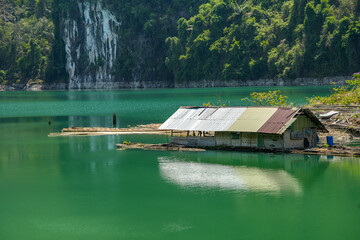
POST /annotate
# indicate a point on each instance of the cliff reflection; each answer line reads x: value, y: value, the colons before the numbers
x: 265, y: 173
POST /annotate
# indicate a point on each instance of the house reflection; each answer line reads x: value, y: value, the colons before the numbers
x: 255, y: 172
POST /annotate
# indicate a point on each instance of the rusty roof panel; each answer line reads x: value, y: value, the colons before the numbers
x: 278, y: 120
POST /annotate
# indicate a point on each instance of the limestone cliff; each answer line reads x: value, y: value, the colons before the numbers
x: 87, y: 44
x: 91, y: 45
x: 116, y: 44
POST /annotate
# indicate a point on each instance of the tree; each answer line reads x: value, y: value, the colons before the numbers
x: 312, y: 28
x: 271, y: 98
x: 40, y: 8
x: 30, y: 62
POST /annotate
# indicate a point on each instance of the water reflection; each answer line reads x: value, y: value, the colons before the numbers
x: 227, y: 177
x: 77, y: 145
x: 266, y: 173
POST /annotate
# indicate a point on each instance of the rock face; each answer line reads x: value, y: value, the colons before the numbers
x: 339, y: 80
x: 91, y: 45
x: 94, y: 41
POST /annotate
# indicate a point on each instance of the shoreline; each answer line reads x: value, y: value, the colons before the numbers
x: 339, y: 148
x: 325, y: 151
x: 339, y: 80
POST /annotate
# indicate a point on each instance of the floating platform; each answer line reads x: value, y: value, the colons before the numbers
x: 158, y: 147
x: 335, y: 151
x: 98, y: 131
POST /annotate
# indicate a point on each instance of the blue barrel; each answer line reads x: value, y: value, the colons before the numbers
x: 330, y: 140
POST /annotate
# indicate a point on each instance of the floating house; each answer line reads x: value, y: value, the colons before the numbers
x: 263, y: 128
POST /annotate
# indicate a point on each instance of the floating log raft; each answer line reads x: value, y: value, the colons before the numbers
x: 335, y: 151
x: 338, y: 108
x: 158, y: 147
x: 98, y: 131
x: 343, y: 126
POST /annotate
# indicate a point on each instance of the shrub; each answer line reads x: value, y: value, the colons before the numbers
x: 271, y: 98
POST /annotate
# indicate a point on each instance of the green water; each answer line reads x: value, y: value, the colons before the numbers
x: 83, y: 188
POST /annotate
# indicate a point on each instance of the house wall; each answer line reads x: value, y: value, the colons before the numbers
x: 302, y: 122
x: 224, y: 139
x: 272, y: 141
x: 249, y: 139
x: 292, y: 143
x: 252, y: 140
x: 304, y: 127
x: 309, y: 133
x: 194, y: 141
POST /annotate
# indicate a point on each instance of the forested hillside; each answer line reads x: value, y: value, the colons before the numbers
x: 26, y: 36
x: 267, y: 38
x: 189, y: 40
x: 145, y: 26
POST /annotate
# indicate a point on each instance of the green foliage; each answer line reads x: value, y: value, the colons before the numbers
x: 252, y: 39
x: 2, y: 77
x: 342, y: 95
x: 208, y: 104
x: 192, y: 40
x: 42, y: 8
x: 271, y: 98
x: 25, y: 41
x: 145, y: 30
x: 55, y: 70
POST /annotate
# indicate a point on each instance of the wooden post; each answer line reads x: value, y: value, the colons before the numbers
x: 114, y: 120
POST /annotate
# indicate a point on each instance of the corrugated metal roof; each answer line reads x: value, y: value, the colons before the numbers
x: 287, y: 125
x: 203, y: 119
x: 278, y: 120
x: 236, y: 119
x: 252, y: 119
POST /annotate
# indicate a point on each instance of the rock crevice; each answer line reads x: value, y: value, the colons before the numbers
x: 91, y: 45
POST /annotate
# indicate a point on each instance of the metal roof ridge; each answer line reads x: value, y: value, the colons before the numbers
x: 284, y: 127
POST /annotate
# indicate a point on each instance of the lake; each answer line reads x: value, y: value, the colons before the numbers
x: 83, y: 188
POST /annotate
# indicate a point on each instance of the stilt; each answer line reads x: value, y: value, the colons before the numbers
x: 114, y: 120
